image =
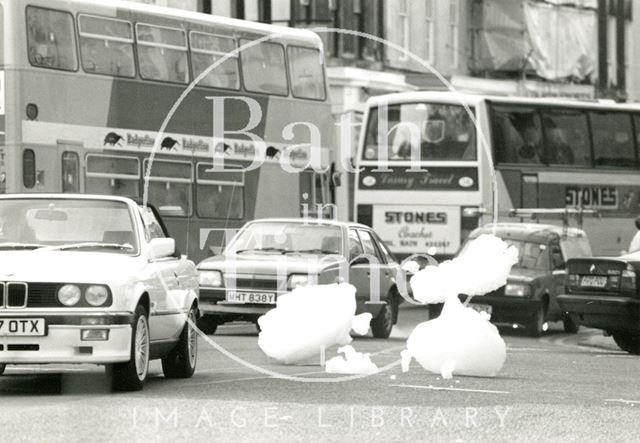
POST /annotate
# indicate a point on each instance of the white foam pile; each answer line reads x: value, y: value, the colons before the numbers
x: 353, y: 362
x: 461, y: 340
x: 310, y: 319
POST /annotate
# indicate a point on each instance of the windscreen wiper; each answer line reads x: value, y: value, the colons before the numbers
x: 121, y: 246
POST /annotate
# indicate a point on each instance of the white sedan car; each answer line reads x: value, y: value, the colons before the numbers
x: 94, y: 279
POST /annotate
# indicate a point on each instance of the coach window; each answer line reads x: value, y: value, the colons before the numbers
x: 307, y: 73
x: 106, y: 46
x: 162, y: 53
x: 70, y: 172
x: 612, y: 139
x: 29, y: 168
x: 517, y: 134
x: 50, y: 36
x: 220, y: 194
x: 264, y: 68
x: 566, y: 137
x: 112, y: 175
x: 207, y: 49
x: 170, y: 186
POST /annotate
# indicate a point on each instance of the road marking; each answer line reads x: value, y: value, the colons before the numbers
x: 439, y: 388
x: 615, y: 355
x: 621, y: 400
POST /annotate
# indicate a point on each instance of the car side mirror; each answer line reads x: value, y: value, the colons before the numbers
x: 161, y: 248
x: 359, y: 260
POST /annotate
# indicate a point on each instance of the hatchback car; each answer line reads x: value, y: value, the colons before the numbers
x: 270, y: 257
x: 94, y: 279
x: 529, y: 298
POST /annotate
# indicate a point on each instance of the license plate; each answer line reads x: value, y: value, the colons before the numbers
x: 251, y: 297
x: 22, y: 327
x: 482, y: 309
x: 594, y: 281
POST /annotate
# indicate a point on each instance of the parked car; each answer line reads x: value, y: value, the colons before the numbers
x: 94, y: 279
x: 270, y: 257
x: 603, y: 293
x: 529, y: 299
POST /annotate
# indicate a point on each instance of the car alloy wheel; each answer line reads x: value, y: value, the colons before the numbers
x: 141, y: 349
x: 192, y: 338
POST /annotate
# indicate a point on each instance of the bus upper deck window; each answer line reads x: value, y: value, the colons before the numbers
x: 162, y: 53
x: 106, y: 46
x: 264, y: 68
x: 207, y: 49
x: 29, y: 168
x: 307, y: 75
x: 70, y: 172
x: 50, y: 36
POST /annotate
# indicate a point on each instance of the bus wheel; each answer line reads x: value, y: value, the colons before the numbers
x: 383, y: 323
x: 569, y: 325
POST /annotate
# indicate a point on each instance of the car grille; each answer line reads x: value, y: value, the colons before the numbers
x: 29, y: 295
x: 262, y: 284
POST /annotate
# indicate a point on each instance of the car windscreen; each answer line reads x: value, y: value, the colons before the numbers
x: 67, y: 224
x: 531, y: 255
x: 284, y: 238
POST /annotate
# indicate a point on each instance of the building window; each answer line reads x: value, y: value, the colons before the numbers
x: 429, y: 28
x: 454, y: 27
x: 405, y: 32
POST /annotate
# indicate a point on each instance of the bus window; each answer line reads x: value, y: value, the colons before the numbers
x: 264, y: 68
x: 170, y: 186
x: 50, y: 37
x: 219, y: 194
x: 307, y: 74
x: 112, y: 175
x: 206, y: 49
x: 162, y: 53
x: 430, y: 131
x: 29, y: 168
x: 70, y: 172
x: 106, y: 46
x: 612, y: 139
x: 517, y: 134
x: 566, y: 137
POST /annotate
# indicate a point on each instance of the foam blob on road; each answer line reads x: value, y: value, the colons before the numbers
x: 460, y: 341
x: 309, y: 319
x: 482, y: 267
x: 353, y: 362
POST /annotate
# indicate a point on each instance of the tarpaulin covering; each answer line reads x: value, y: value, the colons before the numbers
x: 554, y: 41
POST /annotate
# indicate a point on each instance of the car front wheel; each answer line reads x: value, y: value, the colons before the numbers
x: 181, y: 361
x: 208, y: 324
x: 569, y: 325
x: 131, y: 375
x: 382, y: 325
x: 534, y: 328
x: 627, y: 342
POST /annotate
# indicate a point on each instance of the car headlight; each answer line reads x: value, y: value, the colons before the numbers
x: 96, y: 295
x: 69, y: 295
x: 517, y: 290
x: 210, y: 278
x: 296, y: 280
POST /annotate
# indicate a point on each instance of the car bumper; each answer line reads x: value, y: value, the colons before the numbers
x: 62, y: 342
x: 504, y: 309
x: 603, y: 312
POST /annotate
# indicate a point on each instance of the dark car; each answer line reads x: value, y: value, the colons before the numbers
x: 529, y: 298
x: 270, y: 257
x: 603, y: 293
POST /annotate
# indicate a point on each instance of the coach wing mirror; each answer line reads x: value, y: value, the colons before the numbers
x: 161, y: 248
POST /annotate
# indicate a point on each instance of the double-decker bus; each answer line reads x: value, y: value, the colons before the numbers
x: 547, y: 153
x: 85, y: 87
